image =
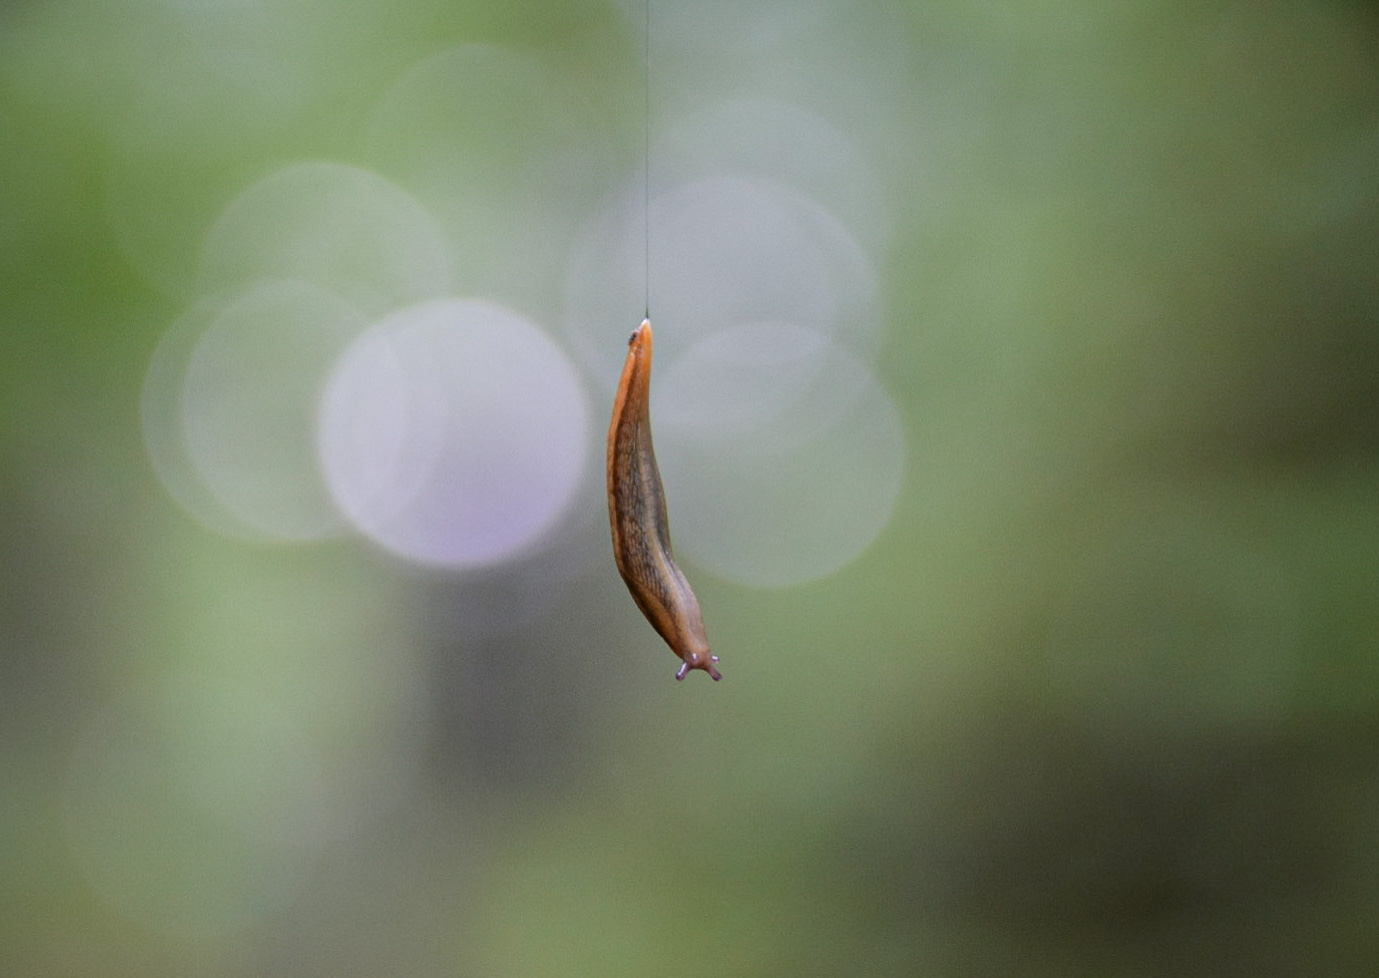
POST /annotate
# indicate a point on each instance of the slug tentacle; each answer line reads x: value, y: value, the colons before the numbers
x: 637, y: 516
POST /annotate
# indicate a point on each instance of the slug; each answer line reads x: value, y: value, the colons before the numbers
x: 637, y: 514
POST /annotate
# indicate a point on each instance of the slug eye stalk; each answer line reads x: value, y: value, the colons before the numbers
x: 684, y: 669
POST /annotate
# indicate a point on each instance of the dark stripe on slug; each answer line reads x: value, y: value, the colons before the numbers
x: 637, y: 516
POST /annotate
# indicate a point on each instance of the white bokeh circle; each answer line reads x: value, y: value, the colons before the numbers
x: 249, y: 400
x: 785, y: 143
x: 724, y: 250
x: 343, y: 228
x: 492, y: 142
x: 229, y: 405
x: 796, y: 469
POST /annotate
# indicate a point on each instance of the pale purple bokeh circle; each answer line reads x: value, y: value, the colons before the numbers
x: 454, y: 433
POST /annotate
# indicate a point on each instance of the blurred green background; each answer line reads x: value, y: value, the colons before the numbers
x: 1101, y: 699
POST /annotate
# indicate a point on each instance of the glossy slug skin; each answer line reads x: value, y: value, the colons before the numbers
x: 637, y: 514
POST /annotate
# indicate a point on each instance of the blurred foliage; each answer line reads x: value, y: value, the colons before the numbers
x: 1104, y: 699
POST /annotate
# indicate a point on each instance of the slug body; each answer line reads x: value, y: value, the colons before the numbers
x: 637, y: 514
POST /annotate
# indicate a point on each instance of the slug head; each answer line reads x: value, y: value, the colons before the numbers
x: 699, y: 660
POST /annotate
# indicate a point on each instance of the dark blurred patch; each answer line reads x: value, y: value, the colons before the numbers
x: 1307, y: 388
x: 53, y: 585
x: 514, y: 712
x: 30, y: 575
x: 1044, y: 828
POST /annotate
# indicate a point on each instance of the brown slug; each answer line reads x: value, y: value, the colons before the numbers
x: 637, y: 514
